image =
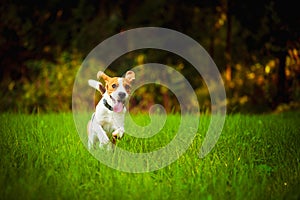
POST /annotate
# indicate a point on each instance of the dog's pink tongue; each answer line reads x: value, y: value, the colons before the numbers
x: 118, y: 107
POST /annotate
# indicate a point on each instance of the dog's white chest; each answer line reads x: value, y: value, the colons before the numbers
x: 111, y: 121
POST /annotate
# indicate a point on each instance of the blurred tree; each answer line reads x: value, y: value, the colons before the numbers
x: 35, y: 36
x: 286, y: 35
x: 271, y: 27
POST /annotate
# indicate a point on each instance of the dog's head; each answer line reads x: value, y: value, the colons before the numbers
x: 117, y: 88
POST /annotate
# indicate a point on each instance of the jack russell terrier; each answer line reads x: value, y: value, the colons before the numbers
x: 110, y: 110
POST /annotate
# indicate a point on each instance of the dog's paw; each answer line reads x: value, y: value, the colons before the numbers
x: 118, y: 133
x: 121, y: 134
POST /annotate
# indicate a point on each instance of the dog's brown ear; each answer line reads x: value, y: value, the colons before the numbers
x: 102, y: 89
x: 101, y: 74
x: 130, y: 76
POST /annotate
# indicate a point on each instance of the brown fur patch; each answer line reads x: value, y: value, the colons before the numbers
x: 110, y: 83
x: 127, y: 85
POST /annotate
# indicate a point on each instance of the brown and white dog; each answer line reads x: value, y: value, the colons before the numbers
x: 110, y: 111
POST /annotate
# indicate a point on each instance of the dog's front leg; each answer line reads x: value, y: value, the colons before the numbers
x: 102, y: 136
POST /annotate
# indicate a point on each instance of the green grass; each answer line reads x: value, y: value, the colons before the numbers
x: 256, y: 157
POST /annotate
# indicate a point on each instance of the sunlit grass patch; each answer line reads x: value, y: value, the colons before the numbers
x: 256, y: 157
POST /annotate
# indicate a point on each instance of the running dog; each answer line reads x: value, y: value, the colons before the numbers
x: 110, y: 111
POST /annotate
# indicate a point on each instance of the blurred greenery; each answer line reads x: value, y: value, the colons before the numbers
x: 255, y: 44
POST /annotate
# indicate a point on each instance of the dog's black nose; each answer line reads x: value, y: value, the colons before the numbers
x: 122, y: 95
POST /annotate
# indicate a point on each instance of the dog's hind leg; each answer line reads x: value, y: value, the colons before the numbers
x: 88, y: 128
x: 91, y: 139
x: 90, y: 143
x: 89, y: 132
x: 92, y: 135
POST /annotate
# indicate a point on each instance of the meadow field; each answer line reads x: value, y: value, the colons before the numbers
x: 256, y: 157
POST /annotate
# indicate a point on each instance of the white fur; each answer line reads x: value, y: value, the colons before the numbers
x: 105, y: 121
x: 94, y: 84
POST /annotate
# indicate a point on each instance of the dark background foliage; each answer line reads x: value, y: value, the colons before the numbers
x: 255, y: 44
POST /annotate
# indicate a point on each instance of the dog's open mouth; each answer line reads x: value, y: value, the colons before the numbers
x: 118, y: 105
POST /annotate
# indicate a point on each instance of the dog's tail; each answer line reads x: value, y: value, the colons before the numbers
x: 97, y: 85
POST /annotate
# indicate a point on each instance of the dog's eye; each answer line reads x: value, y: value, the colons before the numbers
x: 127, y: 87
x: 113, y: 85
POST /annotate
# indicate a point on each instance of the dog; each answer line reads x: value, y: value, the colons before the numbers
x: 110, y: 111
